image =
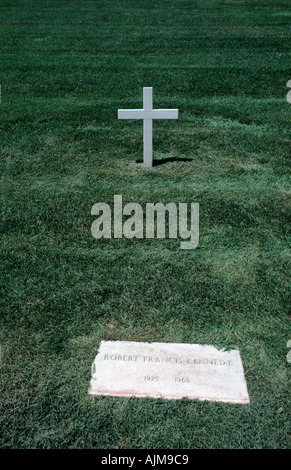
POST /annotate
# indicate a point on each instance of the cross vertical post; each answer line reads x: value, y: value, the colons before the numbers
x: 148, y: 128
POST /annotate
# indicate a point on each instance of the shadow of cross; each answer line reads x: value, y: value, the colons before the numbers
x: 148, y: 114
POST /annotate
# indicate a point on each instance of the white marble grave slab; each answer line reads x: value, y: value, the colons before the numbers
x: 168, y: 370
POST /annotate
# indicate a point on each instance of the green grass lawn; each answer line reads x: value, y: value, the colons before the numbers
x: 66, y: 68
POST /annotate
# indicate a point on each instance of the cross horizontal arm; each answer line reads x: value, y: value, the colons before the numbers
x: 148, y: 114
x: 165, y: 113
x: 131, y: 114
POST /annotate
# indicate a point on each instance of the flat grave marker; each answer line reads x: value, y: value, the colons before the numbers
x: 168, y: 370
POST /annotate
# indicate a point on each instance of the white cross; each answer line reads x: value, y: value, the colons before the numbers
x: 148, y: 114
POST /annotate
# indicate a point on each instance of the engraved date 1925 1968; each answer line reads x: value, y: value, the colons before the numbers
x: 155, y: 378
